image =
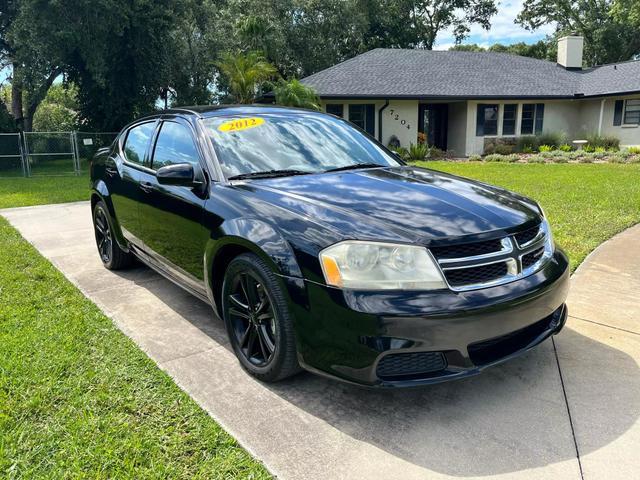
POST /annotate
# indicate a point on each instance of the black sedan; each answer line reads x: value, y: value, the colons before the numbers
x: 321, y: 250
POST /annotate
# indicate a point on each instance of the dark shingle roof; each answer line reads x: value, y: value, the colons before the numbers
x: 424, y: 73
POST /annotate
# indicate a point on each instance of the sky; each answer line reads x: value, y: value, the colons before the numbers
x: 503, y: 29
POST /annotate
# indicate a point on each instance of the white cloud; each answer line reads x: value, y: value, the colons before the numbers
x: 503, y: 29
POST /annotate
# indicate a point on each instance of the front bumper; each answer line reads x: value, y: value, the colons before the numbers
x: 399, y: 339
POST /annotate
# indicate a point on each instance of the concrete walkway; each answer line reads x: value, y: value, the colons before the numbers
x: 567, y: 410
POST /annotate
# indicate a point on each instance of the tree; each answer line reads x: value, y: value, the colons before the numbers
x: 195, y: 39
x: 608, y: 38
x: 33, y: 63
x: 245, y: 73
x: 58, y: 112
x: 416, y: 23
x: 544, y: 50
x: 296, y: 94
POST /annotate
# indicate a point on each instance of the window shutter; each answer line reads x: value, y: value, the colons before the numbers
x: 480, y: 121
x: 370, y: 121
x: 617, y: 113
x: 539, y: 118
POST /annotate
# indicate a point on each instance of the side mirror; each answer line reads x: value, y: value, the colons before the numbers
x: 179, y: 174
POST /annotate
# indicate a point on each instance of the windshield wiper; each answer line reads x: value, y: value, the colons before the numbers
x: 268, y: 174
x: 354, y: 166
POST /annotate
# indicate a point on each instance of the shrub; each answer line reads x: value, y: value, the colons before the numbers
x: 545, y: 148
x: 536, y: 159
x: 503, y: 149
x: 436, y: 153
x: 418, y: 151
x: 475, y: 158
x: 565, y: 147
x: 553, y: 139
x: 608, y: 142
x: 633, y: 150
x: 496, y: 157
x: 526, y: 144
x: 402, y: 152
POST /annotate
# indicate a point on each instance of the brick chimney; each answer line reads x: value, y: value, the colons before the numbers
x: 570, y: 52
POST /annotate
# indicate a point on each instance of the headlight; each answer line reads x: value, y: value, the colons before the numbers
x: 380, y: 266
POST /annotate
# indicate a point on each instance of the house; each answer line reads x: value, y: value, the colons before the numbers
x: 462, y: 101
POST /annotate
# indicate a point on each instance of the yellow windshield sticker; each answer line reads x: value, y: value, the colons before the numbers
x: 241, y: 124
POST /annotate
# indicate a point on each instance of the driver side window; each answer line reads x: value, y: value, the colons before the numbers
x: 174, y: 145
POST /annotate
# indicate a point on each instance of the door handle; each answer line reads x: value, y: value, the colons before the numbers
x: 146, y: 187
x: 111, y: 171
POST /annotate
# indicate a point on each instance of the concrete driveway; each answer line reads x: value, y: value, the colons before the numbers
x: 567, y: 410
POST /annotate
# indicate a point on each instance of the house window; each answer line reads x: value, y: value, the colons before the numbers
x: 336, y: 109
x: 509, y: 119
x: 532, y: 118
x: 363, y: 116
x: 487, y: 120
x: 632, y: 112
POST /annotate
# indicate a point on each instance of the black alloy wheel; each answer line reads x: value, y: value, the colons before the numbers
x: 253, y: 319
x: 104, y: 239
x: 257, y: 319
x: 112, y: 256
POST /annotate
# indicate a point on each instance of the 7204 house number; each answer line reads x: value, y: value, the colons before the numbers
x: 397, y: 118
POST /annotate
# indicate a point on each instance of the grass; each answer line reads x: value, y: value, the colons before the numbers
x: 18, y: 192
x: 77, y: 397
x: 586, y: 203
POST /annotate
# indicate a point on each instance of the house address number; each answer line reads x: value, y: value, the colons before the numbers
x: 397, y: 118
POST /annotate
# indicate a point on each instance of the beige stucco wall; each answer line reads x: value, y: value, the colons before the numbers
x: 559, y: 116
x: 400, y: 118
x: 629, y: 135
x: 457, y: 129
x: 575, y: 118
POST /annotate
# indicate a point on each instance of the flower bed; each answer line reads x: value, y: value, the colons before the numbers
x: 559, y: 156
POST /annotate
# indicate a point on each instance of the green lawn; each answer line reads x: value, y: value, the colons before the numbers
x: 18, y: 192
x: 79, y: 399
x: 586, y: 203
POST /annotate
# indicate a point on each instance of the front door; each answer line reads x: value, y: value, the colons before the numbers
x: 171, y: 217
x: 432, y: 121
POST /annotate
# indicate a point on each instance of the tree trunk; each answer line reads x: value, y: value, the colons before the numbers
x: 16, y: 97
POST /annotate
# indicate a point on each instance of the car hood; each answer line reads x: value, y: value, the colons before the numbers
x: 398, y: 203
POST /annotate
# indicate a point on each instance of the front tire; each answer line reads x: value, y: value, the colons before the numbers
x: 112, y: 256
x: 257, y: 319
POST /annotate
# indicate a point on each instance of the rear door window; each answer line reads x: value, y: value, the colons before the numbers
x: 135, y: 146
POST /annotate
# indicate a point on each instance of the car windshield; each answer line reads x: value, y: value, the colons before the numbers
x: 290, y: 143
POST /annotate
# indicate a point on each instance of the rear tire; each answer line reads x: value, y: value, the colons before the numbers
x: 112, y: 256
x: 257, y: 319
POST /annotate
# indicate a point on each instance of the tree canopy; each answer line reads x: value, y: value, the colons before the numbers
x: 123, y: 55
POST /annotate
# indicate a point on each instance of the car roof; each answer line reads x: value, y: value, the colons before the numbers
x: 204, y: 111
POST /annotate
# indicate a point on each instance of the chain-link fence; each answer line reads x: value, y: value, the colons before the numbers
x: 49, y: 153
x: 87, y: 144
x: 11, y: 158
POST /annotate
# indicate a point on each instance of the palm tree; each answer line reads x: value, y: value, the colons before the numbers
x: 296, y: 94
x: 245, y: 72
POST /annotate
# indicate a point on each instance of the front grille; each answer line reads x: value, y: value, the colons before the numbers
x: 467, y: 249
x: 476, y: 275
x: 488, y: 351
x: 410, y: 365
x: 532, y: 257
x: 524, y: 237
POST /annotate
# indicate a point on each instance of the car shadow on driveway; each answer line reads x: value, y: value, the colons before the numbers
x: 512, y: 417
